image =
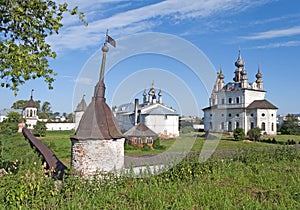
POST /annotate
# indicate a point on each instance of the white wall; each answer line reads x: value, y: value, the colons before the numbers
x: 60, y: 126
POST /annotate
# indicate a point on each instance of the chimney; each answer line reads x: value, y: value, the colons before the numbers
x: 136, y: 108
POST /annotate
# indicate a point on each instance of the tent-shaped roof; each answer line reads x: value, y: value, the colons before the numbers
x: 140, y: 130
x: 31, y: 103
x: 261, y: 104
x: 81, y: 106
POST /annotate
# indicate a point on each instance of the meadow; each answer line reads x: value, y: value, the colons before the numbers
x: 267, y: 178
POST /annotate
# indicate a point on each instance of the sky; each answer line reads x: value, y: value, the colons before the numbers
x: 176, y: 45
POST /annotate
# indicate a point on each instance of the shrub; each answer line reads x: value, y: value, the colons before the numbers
x: 187, y: 129
x: 146, y: 147
x: 39, y: 129
x: 239, y: 134
x: 254, y: 134
x: 157, y: 145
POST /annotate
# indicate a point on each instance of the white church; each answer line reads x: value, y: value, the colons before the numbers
x: 156, y: 115
x: 239, y: 104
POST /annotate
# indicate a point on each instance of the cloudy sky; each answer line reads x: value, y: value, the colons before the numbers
x: 177, y: 45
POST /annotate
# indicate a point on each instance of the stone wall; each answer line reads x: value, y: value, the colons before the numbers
x: 90, y: 157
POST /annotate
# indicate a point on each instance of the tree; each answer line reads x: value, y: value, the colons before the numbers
x: 20, y: 104
x: 24, y: 27
x: 290, y: 125
x: 239, y: 134
x: 13, y: 117
x: 46, y: 107
x: 254, y: 134
x: 39, y: 129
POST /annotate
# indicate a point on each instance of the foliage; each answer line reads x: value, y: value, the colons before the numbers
x: 39, y: 129
x: 157, y: 145
x: 19, y: 104
x: 13, y: 117
x: 146, y: 147
x: 187, y: 129
x: 254, y: 134
x: 7, y: 127
x: 290, y: 125
x: 253, y: 179
x: 238, y: 134
x: 130, y: 147
x: 24, y: 51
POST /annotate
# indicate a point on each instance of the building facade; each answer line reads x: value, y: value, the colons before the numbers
x: 157, y: 116
x: 239, y: 104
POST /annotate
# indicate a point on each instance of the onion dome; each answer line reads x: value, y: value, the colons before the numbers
x: 221, y: 75
x: 243, y: 72
x: 240, y: 62
x: 258, y: 75
x: 31, y: 103
x: 159, y: 93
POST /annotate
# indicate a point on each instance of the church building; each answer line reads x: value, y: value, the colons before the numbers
x: 239, y: 104
x: 160, y: 118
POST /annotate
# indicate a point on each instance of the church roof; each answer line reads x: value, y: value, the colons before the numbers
x: 31, y: 103
x: 158, y: 109
x: 98, y: 121
x: 81, y: 106
x: 261, y: 104
x: 140, y: 130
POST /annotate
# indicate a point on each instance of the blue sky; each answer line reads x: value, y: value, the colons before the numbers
x: 159, y: 41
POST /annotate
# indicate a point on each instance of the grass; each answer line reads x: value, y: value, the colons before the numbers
x: 263, y: 179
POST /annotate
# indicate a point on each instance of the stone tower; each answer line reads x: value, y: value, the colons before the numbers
x: 98, y: 145
x: 30, y: 112
x: 79, y: 111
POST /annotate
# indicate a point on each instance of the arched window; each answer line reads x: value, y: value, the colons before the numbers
x: 263, y: 126
x: 30, y: 113
x: 222, y: 126
x: 230, y: 100
x: 237, y: 100
x: 252, y: 125
x: 223, y: 101
x: 272, y: 127
x: 229, y: 126
x: 210, y: 125
x: 237, y: 124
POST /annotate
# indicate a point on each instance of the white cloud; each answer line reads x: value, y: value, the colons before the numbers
x: 139, y: 19
x: 279, y: 44
x: 275, y: 33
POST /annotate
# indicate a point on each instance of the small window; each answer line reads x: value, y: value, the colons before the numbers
x: 272, y: 127
x: 237, y: 100
x: 237, y: 115
x: 272, y: 115
x: 252, y: 114
x: 229, y: 115
x: 210, y: 125
x: 222, y: 115
x: 263, y: 114
x: 222, y: 126
x: 252, y: 125
x: 263, y: 126
x: 237, y: 124
x: 230, y: 100
x: 211, y: 115
x: 223, y: 101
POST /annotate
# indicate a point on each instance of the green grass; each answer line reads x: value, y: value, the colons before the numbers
x: 263, y: 179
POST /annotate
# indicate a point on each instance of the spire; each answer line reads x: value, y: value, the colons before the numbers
x: 98, y: 121
x: 240, y: 62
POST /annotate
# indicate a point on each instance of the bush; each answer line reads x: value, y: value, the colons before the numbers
x: 8, y: 127
x: 146, y: 147
x: 157, y: 145
x: 39, y: 129
x: 239, y: 134
x: 254, y: 134
x: 187, y: 129
x: 130, y: 147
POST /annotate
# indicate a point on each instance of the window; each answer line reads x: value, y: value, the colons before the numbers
x: 263, y: 126
x: 263, y: 114
x: 237, y: 115
x: 222, y: 115
x: 229, y: 115
x: 223, y: 101
x: 252, y: 114
x: 210, y: 125
x: 229, y: 126
x: 237, y: 100
x: 252, y: 125
x: 222, y: 126
x: 30, y: 113
x: 272, y: 127
x: 230, y: 100
x: 237, y: 124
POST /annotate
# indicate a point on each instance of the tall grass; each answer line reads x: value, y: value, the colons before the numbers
x: 252, y: 179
